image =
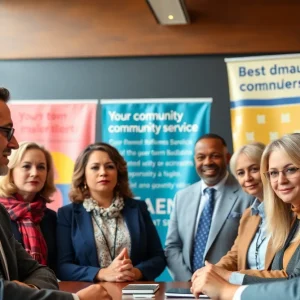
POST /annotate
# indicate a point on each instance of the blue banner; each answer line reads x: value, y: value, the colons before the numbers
x: 156, y: 137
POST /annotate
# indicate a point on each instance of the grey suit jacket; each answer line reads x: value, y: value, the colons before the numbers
x: 283, y: 290
x: 223, y: 231
x: 22, y: 267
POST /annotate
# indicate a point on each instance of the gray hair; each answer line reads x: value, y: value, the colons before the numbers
x: 252, y: 150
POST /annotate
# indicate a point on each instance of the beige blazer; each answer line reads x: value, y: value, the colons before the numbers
x: 236, y: 258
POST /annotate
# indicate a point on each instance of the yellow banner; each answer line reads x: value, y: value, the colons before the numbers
x: 264, y: 97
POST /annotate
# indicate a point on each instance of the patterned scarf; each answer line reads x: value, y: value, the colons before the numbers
x: 28, y: 216
x: 113, y: 211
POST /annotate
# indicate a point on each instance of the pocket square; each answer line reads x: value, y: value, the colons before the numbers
x: 234, y: 215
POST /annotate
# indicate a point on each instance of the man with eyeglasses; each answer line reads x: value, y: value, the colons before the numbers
x: 21, y: 277
x: 7, y: 139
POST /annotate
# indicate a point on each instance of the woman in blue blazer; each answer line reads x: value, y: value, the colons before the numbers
x: 105, y: 235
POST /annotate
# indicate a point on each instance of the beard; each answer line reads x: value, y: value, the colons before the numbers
x: 211, y: 180
x: 3, y: 170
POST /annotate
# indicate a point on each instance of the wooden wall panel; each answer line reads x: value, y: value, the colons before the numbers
x: 99, y: 28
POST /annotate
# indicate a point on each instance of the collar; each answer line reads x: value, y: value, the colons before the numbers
x: 258, y: 208
x: 218, y: 187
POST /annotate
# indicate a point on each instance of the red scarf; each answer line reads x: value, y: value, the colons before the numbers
x: 28, y: 215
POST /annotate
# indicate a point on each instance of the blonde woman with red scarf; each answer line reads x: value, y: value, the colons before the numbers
x: 24, y: 192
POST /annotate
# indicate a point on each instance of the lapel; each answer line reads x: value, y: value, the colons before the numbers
x: 85, y: 226
x: 191, y: 213
x: 226, y: 203
x: 4, y: 262
x: 269, y: 255
x: 244, y: 241
x: 131, y: 217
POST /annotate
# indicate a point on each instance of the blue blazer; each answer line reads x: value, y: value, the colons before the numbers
x: 48, y: 228
x: 76, y: 248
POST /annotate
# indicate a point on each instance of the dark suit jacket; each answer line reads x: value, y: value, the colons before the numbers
x: 77, y: 253
x: 22, y: 267
x: 48, y: 228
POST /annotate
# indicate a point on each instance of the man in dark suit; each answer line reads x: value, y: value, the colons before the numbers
x: 21, y: 277
x: 206, y: 215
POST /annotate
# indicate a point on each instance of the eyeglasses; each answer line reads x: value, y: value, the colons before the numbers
x: 9, y: 132
x: 289, y: 172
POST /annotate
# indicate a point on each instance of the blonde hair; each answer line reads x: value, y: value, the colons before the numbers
x: 7, y: 186
x: 79, y: 191
x: 279, y: 214
x: 253, y: 151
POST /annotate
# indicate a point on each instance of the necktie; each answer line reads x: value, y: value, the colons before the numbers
x: 203, y: 230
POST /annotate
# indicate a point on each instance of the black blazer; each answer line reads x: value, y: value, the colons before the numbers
x: 21, y: 266
x: 48, y: 228
x: 77, y: 252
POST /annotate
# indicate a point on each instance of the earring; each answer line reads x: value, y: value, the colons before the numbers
x: 85, y: 186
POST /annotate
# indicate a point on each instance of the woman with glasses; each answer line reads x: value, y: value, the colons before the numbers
x: 24, y: 192
x: 106, y: 235
x: 280, y: 169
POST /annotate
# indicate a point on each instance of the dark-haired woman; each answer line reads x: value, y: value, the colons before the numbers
x: 105, y: 235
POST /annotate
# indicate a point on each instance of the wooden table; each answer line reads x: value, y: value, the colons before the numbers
x: 115, y: 289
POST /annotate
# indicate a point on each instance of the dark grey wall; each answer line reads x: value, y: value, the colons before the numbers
x: 147, y: 77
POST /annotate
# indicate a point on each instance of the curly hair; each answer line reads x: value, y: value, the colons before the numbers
x: 79, y: 192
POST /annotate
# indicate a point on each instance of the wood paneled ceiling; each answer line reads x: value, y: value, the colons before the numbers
x: 105, y: 28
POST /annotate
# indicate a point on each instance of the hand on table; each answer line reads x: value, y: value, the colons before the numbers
x: 225, y: 274
x: 212, y: 285
x: 120, y: 270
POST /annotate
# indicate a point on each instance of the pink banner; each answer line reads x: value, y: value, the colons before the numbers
x: 65, y: 128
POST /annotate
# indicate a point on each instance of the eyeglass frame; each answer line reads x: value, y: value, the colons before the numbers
x: 269, y: 177
x: 10, y: 132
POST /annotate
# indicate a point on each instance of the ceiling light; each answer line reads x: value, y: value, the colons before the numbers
x: 161, y: 10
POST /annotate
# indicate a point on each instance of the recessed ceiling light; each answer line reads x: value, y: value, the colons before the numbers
x: 169, y: 12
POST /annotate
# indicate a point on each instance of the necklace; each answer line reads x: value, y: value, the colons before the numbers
x: 113, y: 254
